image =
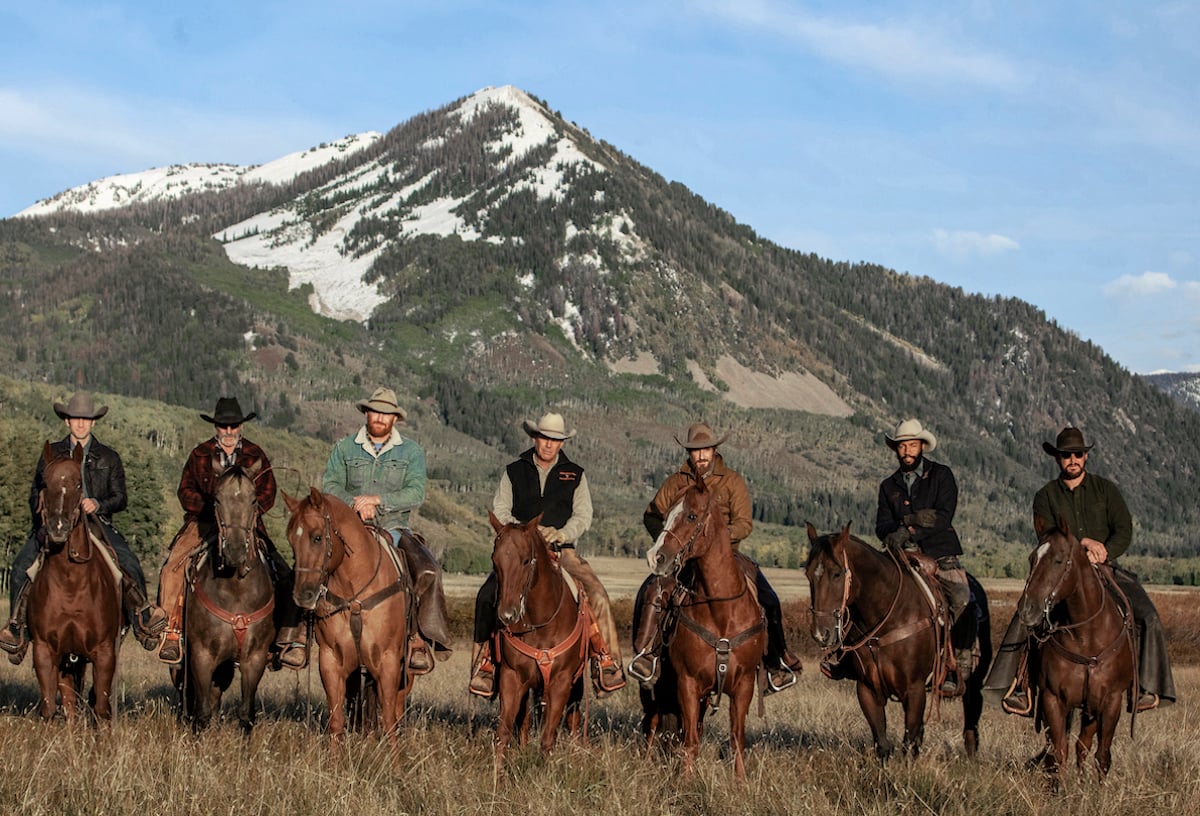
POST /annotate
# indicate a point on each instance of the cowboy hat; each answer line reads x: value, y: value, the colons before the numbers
x: 551, y: 426
x: 80, y: 406
x: 911, y: 429
x: 699, y: 435
x: 382, y: 401
x: 228, y: 413
x: 1070, y: 440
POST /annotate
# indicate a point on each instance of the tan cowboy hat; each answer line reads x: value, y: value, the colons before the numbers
x: 911, y: 429
x: 1070, y: 440
x: 80, y: 406
x: 551, y: 426
x: 382, y: 401
x: 228, y: 412
x: 699, y: 435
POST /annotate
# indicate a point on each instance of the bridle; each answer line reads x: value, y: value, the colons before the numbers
x: 841, y: 615
x: 685, y: 552
x: 1048, y: 626
x: 327, y: 566
x: 530, y: 578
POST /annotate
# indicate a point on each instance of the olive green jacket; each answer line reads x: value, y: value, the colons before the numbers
x: 1094, y: 509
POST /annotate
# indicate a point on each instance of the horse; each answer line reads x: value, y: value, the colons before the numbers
x: 229, y: 603
x: 543, y: 642
x: 719, y: 635
x: 1090, y: 659
x: 869, y: 612
x: 361, y: 594
x: 75, y: 601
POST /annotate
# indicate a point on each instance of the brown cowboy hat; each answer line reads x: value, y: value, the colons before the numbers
x: 1069, y: 440
x: 551, y: 426
x: 699, y: 435
x: 382, y: 401
x: 911, y: 429
x: 228, y: 412
x: 80, y: 406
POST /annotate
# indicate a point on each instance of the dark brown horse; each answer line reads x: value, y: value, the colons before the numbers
x: 75, y: 600
x: 228, y: 605
x: 878, y: 626
x: 542, y: 645
x: 358, y: 588
x: 1086, y: 657
x: 719, y: 634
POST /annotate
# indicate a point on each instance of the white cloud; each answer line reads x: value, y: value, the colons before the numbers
x: 1147, y: 283
x: 964, y: 244
x: 900, y: 51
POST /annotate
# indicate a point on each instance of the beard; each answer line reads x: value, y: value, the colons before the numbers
x: 907, y: 466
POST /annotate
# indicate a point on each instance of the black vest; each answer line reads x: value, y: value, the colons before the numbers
x: 557, y: 504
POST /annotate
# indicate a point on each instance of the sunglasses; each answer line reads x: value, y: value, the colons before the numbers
x: 221, y: 427
x: 1064, y: 455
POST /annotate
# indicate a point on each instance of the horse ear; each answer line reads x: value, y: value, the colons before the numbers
x: 846, y: 530
x: 77, y: 454
x: 812, y: 532
x: 47, y: 453
x: 1064, y: 526
x: 1040, y: 525
x: 315, y: 497
x: 533, y: 523
x: 496, y: 525
x: 291, y: 503
x: 253, y: 469
x: 217, y: 467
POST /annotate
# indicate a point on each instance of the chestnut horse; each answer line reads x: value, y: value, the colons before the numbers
x: 229, y: 604
x: 75, y: 600
x: 542, y: 645
x: 1086, y: 657
x: 358, y: 588
x: 719, y: 635
x: 872, y: 617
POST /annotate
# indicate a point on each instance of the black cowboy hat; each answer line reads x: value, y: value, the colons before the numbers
x: 80, y: 406
x: 1070, y: 440
x: 228, y: 412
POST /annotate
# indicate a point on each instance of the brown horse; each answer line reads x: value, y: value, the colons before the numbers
x: 719, y: 634
x: 361, y: 595
x: 1086, y: 657
x: 542, y: 645
x: 873, y: 619
x: 228, y: 605
x: 75, y: 600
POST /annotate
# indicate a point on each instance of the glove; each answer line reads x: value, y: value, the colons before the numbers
x: 553, y: 535
x: 926, y: 517
x: 896, y: 540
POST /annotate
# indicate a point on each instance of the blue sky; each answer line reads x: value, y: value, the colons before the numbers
x: 1048, y: 151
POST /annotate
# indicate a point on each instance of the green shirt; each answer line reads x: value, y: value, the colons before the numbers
x: 1094, y: 509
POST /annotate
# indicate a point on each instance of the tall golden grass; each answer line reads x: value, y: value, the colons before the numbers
x: 810, y: 754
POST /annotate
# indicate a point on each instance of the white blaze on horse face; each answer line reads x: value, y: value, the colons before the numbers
x: 652, y: 556
x: 1040, y: 552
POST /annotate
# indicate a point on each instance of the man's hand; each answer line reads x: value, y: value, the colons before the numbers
x: 896, y: 540
x: 1097, y: 553
x: 366, y: 506
x: 553, y: 535
x: 89, y: 505
x: 926, y: 517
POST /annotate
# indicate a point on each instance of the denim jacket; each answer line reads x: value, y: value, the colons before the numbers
x: 396, y: 473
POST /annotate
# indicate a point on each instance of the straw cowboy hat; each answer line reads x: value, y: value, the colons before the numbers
x: 80, y: 406
x: 699, y: 435
x: 1070, y: 440
x: 551, y: 426
x: 228, y: 412
x: 382, y: 401
x: 911, y: 429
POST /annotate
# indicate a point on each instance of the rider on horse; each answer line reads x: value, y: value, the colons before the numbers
x: 104, y: 495
x: 381, y: 476
x: 543, y: 481
x: 227, y: 447
x: 732, y: 495
x: 916, y: 511
x: 1097, y: 514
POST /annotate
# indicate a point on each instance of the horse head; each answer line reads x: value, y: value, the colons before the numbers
x: 62, y: 496
x: 1052, y: 573
x: 316, y: 544
x: 831, y: 586
x: 236, y: 508
x: 515, y: 561
x: 688, y: 531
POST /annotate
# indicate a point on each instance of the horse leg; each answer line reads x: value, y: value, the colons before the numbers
x: 201, y: 670
x: 104, y: 669
x: 333, y: 678
x: 1088, y: 723
x: 914, y: 719
x: 1054, y: 713
x: 46, y: 669
x: 512, y: 695
x: 1109, y: 718
x: 556, y: 702
x: 739, y: 705
x: 689, y: 707
x: 388, y: 680
x: 252, y: 672
x: 872, y: 706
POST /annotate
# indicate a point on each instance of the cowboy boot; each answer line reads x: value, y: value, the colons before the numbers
x: 956, y: 677
x: 171, y: 650
x: 148, y: 620
x: 1019, y: 699
x: 607, y: 676
x: 483, y: 671
x: 14, y: 638
x: 647, y: 640
x: 420, y: 661
x: 292, y: 645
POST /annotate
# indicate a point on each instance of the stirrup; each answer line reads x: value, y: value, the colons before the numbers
x: 640, y: 673
x: 786, y: 680
x: 167, y: 654
x: 1148, y: 701
x: 483, y: 680
x: 1019, y: 702
x: 420, y: 661
x: 607, y: 676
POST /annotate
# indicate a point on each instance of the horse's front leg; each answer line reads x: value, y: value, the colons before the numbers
x: 689, y: 708
x: 872, y: 705
x: 201, y: 667
x: 385, y: 685
x: 333, y: 678
x: 513, y: 693
x: 1088, y: 724
x: 556, y: 694
x: 1054, y: 712
x: 914, y: 719
x: 46, y: 668
x: 252, y: 670
x: 739, y: 705
x: 1108, y: 719
x: 104, y: 669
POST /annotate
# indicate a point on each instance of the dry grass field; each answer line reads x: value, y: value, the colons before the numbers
x: 811, y: 753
